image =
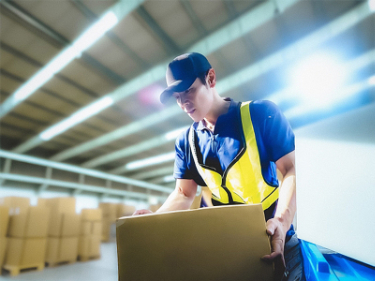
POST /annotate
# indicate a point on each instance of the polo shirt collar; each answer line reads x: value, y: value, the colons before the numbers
x: 233, y: 105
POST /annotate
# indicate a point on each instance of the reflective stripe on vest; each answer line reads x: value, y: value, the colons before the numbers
x: 242, y: 181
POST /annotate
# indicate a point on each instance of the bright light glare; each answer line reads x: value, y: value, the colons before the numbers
x: 77, y: 117
x: 174, y: 134
x: 150, y: 161
x: 95, y: 32
x: 66, y: 56
x: 317, y: 79
x: 169, y: 178
x: 371, y: 5
x: 371, y: 80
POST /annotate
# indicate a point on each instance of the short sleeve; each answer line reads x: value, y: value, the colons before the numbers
x: 276, y: 132
x: 278, y: 135
x: 181, y: 170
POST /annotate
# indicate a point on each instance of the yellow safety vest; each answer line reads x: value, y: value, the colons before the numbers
x: 242, y: 182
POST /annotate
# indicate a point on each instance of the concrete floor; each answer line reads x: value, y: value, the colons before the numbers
x: 103, y: 269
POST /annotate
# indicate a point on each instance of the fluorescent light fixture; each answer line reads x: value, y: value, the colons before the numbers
x: 96, y: 31
x: 42, y: 76
x: 83, y: 42
x: 371, y: 5
x: 169, y: 178
x: 77, y: 117
x: 371, y: 80
x: 174, y: 134
x: 318, y: 79
x: 150, y: 161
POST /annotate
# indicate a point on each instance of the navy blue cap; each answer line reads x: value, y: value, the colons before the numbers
x: 182, y: 72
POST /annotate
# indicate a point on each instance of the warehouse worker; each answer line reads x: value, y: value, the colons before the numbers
x: 235, y: 149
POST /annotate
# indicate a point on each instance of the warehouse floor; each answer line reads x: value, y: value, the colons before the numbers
x: 103, y: 269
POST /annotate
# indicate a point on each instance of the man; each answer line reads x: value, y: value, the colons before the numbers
x: 235, y: 149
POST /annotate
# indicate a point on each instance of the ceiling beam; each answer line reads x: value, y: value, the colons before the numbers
x: 76, y: 186
x: 120, y: 9
x: 161, y: 36
x: 110, y: 34
x: 79, y: 170
x: 287, y: 54
x: 232, y: 31
x: 58, y: 39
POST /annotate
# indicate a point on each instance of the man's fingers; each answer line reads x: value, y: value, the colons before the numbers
x: 271, y: 227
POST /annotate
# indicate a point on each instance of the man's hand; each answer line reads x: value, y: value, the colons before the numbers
x: 141, y: 212
x: 275, y: 230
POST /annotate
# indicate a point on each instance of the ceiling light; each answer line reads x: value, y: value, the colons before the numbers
x: 150, y: 161
x: 318, y: 79
x: 95, y: 32
x: 87, y: 39
x: 77, y: 117
x: 371, y: 5
x: 174, y: 134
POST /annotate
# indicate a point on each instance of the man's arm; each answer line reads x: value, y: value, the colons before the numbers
x: 180, y: 199
x: 286, y: 207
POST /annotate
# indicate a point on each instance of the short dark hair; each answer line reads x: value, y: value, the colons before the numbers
x: 203, y: 76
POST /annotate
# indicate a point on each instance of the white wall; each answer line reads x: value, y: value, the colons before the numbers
x: 335, y: 164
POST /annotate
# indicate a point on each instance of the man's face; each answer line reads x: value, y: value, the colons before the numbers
x: 195, y: 101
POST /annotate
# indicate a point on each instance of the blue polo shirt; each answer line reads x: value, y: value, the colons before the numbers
x: 274, y: 136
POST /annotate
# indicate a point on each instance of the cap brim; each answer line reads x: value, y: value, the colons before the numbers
x: 177, y: 86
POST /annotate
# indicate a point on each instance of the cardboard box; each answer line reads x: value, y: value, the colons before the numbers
x: 3, y: 247
x: 85, y: 228
x: 15, y: 204
x: 25, y: 252
x: 32, y: 223
x: 109, y: 210
x: 59, y: 204
x: 154, y: 208
x: 70, y: 225
x: 89, y: 246
x: 96, y: 228
x: 219, y: 243
x: 124, y: 210
x: 64, y: 225
x: 4, y: 220
x: 61, y: 249
x: 106, y: 230
x: 91, y: 214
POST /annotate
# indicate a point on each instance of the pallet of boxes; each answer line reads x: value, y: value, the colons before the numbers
x: 27, y: 235
x: 63, y: 231
x: 112, y: 212
x: 124, y: 210
x: 109, y: 211
x: 91, y: 234
x: 4, y: 220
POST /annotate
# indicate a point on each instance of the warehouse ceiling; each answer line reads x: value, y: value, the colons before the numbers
x: 252, y: 46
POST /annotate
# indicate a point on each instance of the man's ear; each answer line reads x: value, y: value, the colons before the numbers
x: 211, y: 78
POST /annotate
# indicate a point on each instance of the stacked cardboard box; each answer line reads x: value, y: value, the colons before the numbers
x: 109, y: 211
x: 124, y: 210
x: 91, y: 233
x: 27, y: 235
x: 4, y: 219
x: 64, y: 230
x: 155, y: 207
